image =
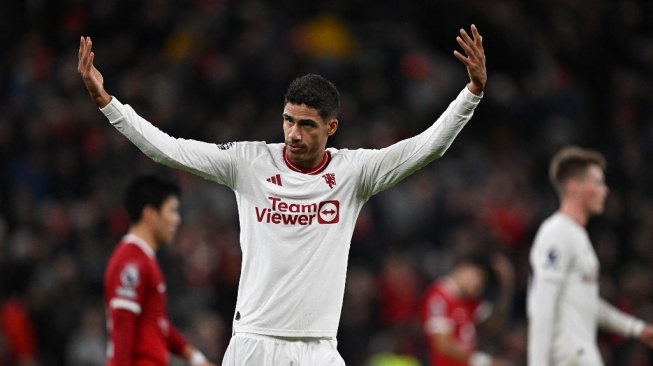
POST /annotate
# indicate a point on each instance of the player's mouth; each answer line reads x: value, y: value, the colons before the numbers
x: 295, y: 148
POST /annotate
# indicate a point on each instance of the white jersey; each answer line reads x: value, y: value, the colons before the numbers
x: 296, y: 227
x: 564, y: 307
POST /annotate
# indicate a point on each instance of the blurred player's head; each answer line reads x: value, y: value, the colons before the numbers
x: 577, y: 174
x: 153, y: 202
x: 472, y: 274
x: 310, y: 116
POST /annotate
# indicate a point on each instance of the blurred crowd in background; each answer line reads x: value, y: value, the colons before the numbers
x: 560, y: 72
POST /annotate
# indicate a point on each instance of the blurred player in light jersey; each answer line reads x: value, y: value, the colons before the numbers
x: 564, y: 307
x: 140, y: 333
x: 454, y: 305
x: 298, y: 202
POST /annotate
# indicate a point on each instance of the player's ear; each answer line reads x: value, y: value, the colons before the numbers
x: 332, y: 126
x: 148, y: 213
x: 572, y: 186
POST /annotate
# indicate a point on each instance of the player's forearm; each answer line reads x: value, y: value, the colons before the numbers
x: 390, y: 165
x: 435, y: 140
x: 446, y: 128
x: 200, y: 158
x: 475, y: 89
x: 123, y: 336
x: 101, y: 99
x: 177, y: 344
x: 194, y: 357
x: 613, y: 319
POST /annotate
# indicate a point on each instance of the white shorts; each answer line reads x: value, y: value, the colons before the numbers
x: 246, y: 349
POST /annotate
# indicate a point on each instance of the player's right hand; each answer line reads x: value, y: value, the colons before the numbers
x: 90, y: 75
x: 646, y: 336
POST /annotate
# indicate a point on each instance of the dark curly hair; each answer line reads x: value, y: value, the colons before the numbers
x: 316, y: 92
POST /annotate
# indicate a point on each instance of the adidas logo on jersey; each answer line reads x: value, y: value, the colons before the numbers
x: 275, y: 180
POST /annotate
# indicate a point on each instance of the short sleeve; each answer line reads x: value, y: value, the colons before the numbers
x: 129, y: 285
x: 437, y: 319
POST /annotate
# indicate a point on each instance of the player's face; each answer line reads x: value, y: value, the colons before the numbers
x: 167, y: 220
x: 473, y: 282
x: 593, y: 190
x: 306, y: 134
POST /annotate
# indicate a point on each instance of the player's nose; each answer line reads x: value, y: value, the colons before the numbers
x: 294, y: 134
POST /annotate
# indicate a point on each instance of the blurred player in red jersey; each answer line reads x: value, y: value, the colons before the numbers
x: 453, y: 305
x: 140, y: 333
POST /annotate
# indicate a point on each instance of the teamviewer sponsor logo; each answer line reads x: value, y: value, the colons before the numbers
x: 289, y: 213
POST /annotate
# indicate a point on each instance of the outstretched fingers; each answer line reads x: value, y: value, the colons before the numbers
x: 478, y: 39
x: 79, y: 54
x: 85, y: 56
x: 473, y: 58
x: 473, y: 47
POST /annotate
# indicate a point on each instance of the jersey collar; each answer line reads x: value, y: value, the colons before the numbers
x: 452, y: 286
x: 139, y: 242
x: 312, y: 171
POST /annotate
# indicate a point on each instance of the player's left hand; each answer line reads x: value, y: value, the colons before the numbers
x: 646, y: 336
x: 474, y: 59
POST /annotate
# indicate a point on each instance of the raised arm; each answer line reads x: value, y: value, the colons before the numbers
x: 384, y: 168
x: 207, y: 160
x: 474, y: 59
x: 90, y: 75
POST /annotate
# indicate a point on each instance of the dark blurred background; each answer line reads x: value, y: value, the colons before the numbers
x: 560, y: 72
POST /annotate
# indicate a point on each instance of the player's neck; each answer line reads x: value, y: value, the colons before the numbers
x: 315, y: 166
x: 575, y: 212
x: 146, y: 234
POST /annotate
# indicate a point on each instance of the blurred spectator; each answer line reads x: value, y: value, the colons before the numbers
x: 88, y: 343
x: 18, y: 342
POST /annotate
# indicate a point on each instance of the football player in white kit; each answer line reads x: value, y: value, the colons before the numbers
x: 298, y: 202
x: 564, y: 307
